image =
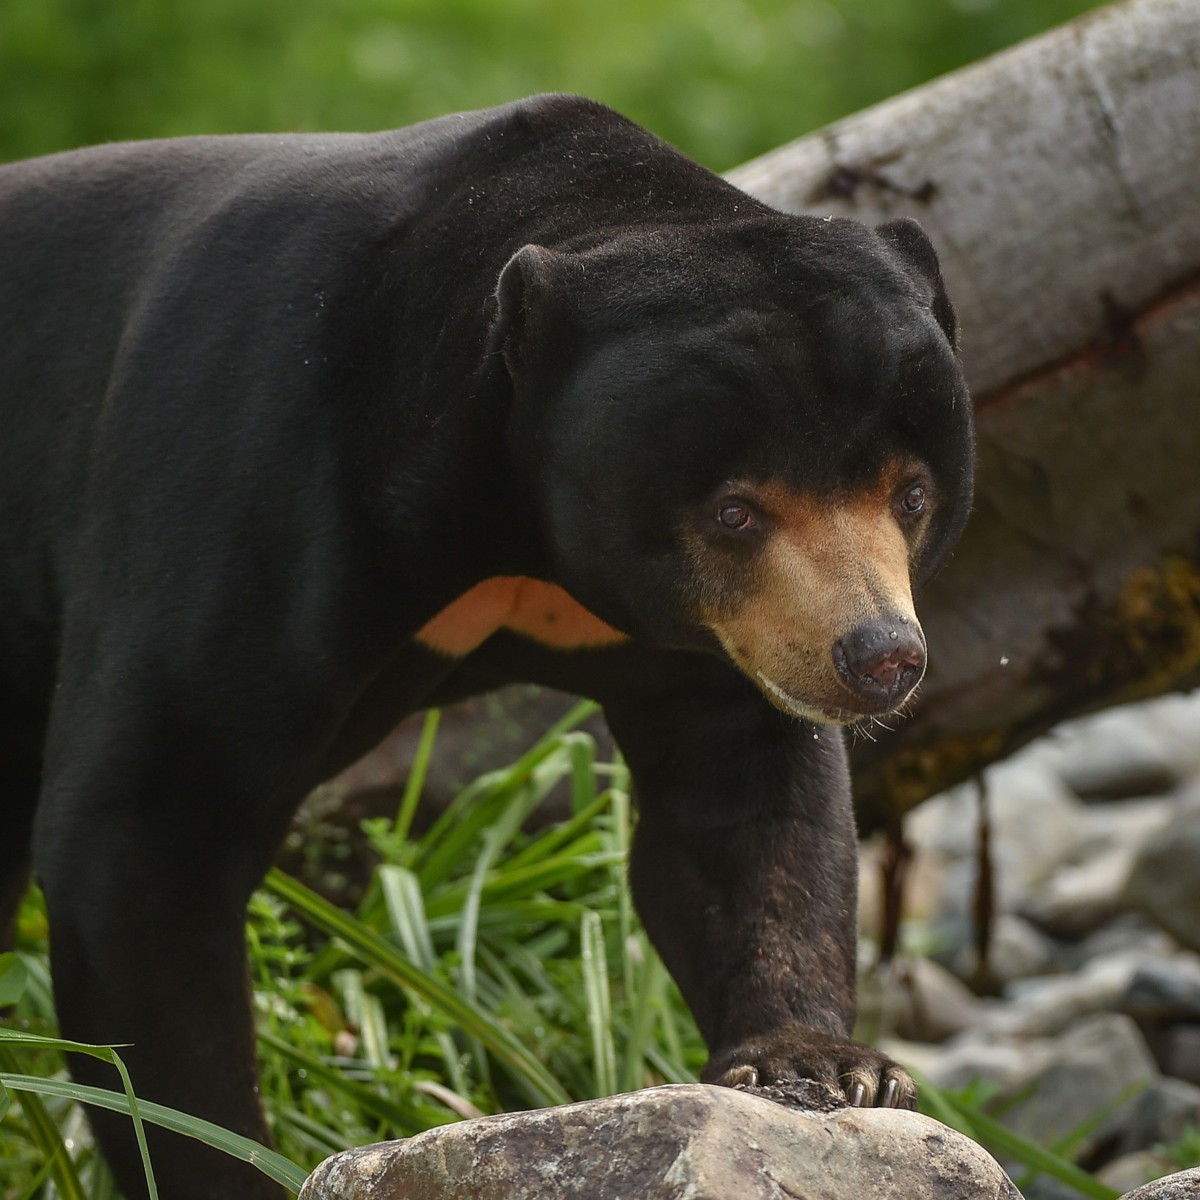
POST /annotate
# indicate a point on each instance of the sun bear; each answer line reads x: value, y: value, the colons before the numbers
x: 304, y: 433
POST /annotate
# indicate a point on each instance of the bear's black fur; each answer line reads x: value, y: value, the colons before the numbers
x: 303, y: 433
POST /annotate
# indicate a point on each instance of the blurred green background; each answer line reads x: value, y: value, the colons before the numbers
x: 722, y: 79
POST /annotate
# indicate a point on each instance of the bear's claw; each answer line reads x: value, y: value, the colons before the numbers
x: 863, y: 1076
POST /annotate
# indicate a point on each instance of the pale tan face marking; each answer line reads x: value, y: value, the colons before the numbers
x: 828, y: 567
x: 543, y: 612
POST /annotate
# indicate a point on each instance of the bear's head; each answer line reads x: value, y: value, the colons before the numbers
x: 753, y: 438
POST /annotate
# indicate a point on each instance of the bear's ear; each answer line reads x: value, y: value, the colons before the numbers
x: 918, y: 256
x: 530, y: 301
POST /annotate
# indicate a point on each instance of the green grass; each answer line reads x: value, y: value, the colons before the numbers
x: 487, y: 969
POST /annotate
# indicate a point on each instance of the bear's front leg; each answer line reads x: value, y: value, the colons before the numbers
x: 744, y: 871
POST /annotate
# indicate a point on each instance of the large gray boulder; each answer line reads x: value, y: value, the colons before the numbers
x: 670, y: 1143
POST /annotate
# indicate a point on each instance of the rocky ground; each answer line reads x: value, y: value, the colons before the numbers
x: 1092, y: 1036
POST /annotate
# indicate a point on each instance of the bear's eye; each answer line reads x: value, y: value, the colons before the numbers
x: 912, y: 502
x: 736, y: 516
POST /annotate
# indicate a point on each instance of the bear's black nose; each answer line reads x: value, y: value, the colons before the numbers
x: 881, y: 661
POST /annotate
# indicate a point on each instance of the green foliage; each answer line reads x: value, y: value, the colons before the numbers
x: 723, y: 79
x: 1185, y: 1149
x: 488, y: 968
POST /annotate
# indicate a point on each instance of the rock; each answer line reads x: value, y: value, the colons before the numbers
x: 1164, y: 882
x: 1160, y: 1112
x: 1078, y: 898
x: 1183, y: 1185
x: 1094, y: 1064
x: 1046, y: 1006
x: 1088, y: 890
x: 1018, y: 950
x: 1046, y: 1187
x: 1011, y: 1065
x: 1035, y: 823
x: 1135, y: 750
x: 1129, y: 933
x: 671, y: 1143
x: 1050, y: 1087
x: 1132, y: 1170
x: 1187, y: 794
x: 922, y: 1002
x: 1166, y: 989
x: 1125, y: 823
x: 1178, y: 1049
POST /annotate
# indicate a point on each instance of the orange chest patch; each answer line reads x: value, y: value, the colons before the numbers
x: 543, y: 612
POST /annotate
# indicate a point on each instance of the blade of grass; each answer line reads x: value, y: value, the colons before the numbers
x: 468, y: 929
x: 38, y: 995
x: 588, y: 853
x: 1002, y: 1140
x: 35, y: 1184
x: 406, y: 914
x: 416, y: 777
x: 669, y: 1066
x: 282, y: 1170
x: 599, y: 1004
x: 518, y: 959
x: 469, y: 923
x: 581, y: 748
x: 45, y: 1135
x: 552, y: 839
x: 365, y: 1011
x: 621, y: 826
x: 105, y: 1054
x: 568, y: 721
x: 934, y: 1103
x: 672, y: 1038
x: 474, y: 811
x: 399, y: 1115
x: 642, y: 1001
x: 511, y: 915
x: 383, y: 956
x: 314, y: 1136
x: 1067, y: 1145
x: 1071, y: 1142
x: 518, y: 1004
x: 441, y: 844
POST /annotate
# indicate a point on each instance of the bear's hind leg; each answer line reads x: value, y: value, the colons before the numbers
x: 148, y: 844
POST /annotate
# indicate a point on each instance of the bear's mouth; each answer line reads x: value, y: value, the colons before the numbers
x: 820, y: 715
